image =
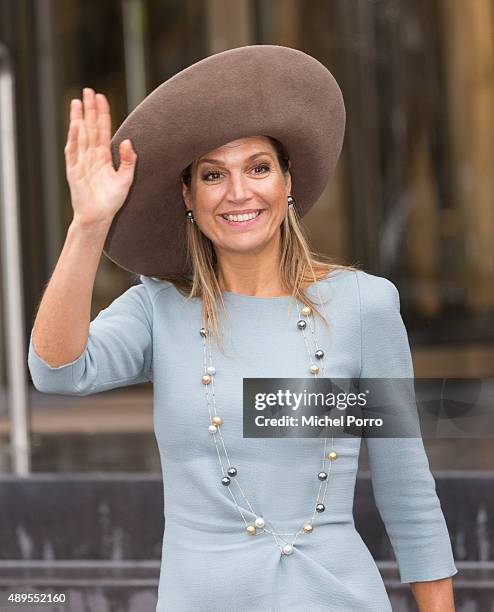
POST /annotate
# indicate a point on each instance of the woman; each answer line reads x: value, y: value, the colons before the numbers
x: 243, y: 143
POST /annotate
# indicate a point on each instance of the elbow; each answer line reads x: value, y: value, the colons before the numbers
x: 65, y: 379
x: 60, y: 381
x: 53, y: 387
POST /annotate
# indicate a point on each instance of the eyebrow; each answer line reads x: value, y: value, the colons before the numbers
x: 217, y: 161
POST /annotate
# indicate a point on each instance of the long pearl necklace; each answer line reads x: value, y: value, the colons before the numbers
x: 229, y: 473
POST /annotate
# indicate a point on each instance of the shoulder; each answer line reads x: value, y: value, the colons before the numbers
x: 380, y: 316
x: 138, y: 299
x: 385, y: 350
x: 152, y: 287
x: 369, y: 291
x: 376, y: 293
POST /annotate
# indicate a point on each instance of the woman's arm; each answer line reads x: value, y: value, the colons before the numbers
x: 118, y: 351
x: 97, y: 192
x: 68, y: 354
x: 404, y: 488
x: 60, y: 329
x: 434, y: 595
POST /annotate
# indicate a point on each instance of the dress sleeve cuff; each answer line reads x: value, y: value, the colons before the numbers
x: 50, y: 379
x: 427, y: 571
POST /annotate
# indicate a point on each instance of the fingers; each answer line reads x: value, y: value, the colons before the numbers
x: 71, y: 148
x: 90, y: 117
x: 90, y: 124
x: 127, y: 153
x: 82, y: 137
x: 127, y: 159
x: 104, y: 120
x: 75, y: 109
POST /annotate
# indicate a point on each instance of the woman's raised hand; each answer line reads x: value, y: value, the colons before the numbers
x: 97, y: 189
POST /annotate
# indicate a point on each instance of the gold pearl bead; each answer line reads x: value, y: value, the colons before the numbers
x: 251, y: 530
x: 332, y: 455
x: 216, y: 420
x: 308, y: 528
x: 306, y: 310
x: 206, y: 379
x: 314, y: 368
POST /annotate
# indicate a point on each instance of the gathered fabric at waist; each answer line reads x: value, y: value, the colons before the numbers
x: 330, y: 569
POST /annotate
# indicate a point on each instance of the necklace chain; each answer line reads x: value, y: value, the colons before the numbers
x: 305, y: 317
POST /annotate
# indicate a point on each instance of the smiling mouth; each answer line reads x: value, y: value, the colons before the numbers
x: 244, y: 218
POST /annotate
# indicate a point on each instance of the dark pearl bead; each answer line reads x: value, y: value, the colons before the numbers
x: 301, y: 324
x: 225, y: 481
x: 320, y: 507
x: 319, y: 354
x: 203, y: 332
x: 322, y: 475
x: 232, y: 471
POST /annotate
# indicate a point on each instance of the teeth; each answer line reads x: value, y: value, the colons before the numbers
x: 245, y: 217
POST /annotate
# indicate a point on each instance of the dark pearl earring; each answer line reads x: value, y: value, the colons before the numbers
x: 291, y: 200
x: 190, y: 216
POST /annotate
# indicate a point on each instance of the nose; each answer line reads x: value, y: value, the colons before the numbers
x: 238, y: 188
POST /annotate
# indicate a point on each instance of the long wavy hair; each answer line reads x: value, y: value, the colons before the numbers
x: 299, y: 265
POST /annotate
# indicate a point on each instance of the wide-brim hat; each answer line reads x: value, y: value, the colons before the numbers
x: 254, y: 90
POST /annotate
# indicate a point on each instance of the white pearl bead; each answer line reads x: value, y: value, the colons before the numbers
x: 212, y: 429
x: 211, y: 370
x: 287, y: 549
x: 259, y: 522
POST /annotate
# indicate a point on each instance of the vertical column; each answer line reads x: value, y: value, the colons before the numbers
x: 469, y: 70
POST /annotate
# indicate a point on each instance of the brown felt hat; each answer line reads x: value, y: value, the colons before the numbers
x: 255, y: 90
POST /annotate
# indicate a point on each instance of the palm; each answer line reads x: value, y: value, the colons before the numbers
x: 97, y: 189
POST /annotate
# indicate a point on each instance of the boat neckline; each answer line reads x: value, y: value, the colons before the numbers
x: 256, y: 297
x: 246, y: 296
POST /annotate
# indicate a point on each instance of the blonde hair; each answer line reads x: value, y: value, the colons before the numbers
x: 299, y: 265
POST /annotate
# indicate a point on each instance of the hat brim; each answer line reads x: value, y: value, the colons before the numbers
x: 248, y: 91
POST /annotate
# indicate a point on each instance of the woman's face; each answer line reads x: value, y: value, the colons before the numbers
x: 240, y: 177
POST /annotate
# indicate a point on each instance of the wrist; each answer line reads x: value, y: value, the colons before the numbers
x: 94, y: 228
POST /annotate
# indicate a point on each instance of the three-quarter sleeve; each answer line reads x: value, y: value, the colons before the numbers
x: 403, y: 486
x: 118, y: 351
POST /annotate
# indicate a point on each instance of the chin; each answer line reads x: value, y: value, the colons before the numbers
x: 253, y: 246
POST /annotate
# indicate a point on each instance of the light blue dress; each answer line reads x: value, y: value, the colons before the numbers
x: 209, y: 562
